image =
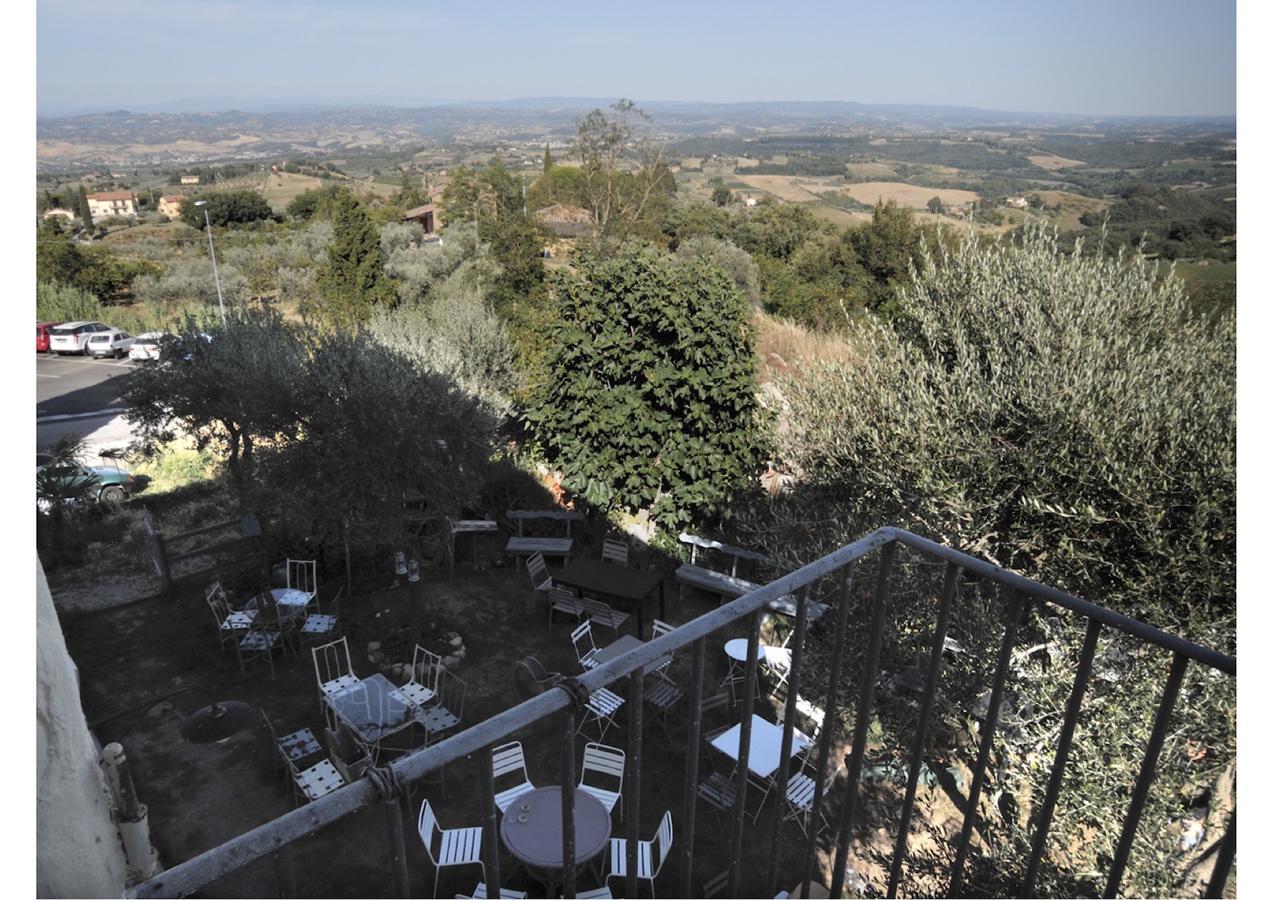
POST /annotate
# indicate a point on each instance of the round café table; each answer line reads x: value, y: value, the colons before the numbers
x: 736, y: 651
x: 536, y: 841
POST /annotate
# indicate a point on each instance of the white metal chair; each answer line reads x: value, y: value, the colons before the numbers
x: 660, y: 628
x: 318, y: 780
x: 538, y: 569
x: 448, y: 711
x: 257, y: 643
x: 602, y: 775
x: 600, y: 708
x: 508, y: 764
x: 322, y: 626
x: 650, y: 855
x: 333, y: 671
x: 348, y: 753
x: 302, y: 575
x: 777, y: 662
x: 479, y: 893
x: 603, y: 614
x: 449, y: 846
x: 800, y: 788
x: 720, y: 792
x: 662, y: 695
x: 231, y: 624
x: 296, y: 746
x: 563, y: 600
x: 426, y: 667
x: 595, y: 893
x: 614, y: 552
x: 584, y: 644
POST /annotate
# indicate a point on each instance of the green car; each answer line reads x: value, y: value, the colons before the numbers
x: 73, y: 482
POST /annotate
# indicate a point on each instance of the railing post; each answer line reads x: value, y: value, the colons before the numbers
x: 397, y: 846
x: 1080, y: 681
x: 864, y: 706
x: 1148, y: 770
x: 284, y: 872
x: 948, y: 591
x: 690, y: 815
x: 788, y: 738
x: 744, y: 751
x: 567, y: 806
x: 631, y: 802
x: 831, y: 721
x: 1223, y: 862
x: 1015, y: 613
x: 490, y: 832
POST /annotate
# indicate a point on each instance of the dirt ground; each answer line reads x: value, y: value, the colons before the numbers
x: 145, y: 666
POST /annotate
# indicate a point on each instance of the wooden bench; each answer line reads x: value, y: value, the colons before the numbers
x: 469, y: 526
x: 521, y: 545
x: 731, y: 587
x: 697, y: 543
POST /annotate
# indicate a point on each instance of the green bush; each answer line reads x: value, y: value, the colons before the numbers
x: 63, y: 303
x: 651, y: 400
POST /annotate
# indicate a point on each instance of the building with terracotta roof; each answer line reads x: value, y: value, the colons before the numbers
x: 112, y: 203
x: 170, y: 205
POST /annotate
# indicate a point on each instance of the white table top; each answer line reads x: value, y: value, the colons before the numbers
x: 766, y: 745
x: 736, y: 649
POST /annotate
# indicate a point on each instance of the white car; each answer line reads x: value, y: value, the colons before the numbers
x: 113, y: 342
x: 72, y: 337
x: 146, y: 346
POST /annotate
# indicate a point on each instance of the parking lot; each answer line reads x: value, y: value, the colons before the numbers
x: 80, y: 395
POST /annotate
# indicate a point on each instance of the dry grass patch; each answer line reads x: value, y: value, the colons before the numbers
x: 913, y: 196
x: 870, y: 170
x: 784, y: 347
x: 1051, y: 162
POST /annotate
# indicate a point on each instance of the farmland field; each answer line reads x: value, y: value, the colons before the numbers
x: 915, y: 197
x: 1051, y: 162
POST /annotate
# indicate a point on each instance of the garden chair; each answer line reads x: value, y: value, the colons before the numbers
x: 777, y: 663
x: 662, y: 696
x: 614, y: 552
x: 322, y: 626
x: 257, y: 643
x: 600, y: 708
x: 318, y: 780
x: 603, y: 614
x: 650, y: 855
x: 584, y: 645
x: 717, y: 702
x: 448, y: 712
x: 720, y: 791
x: 595, y: 893
x: 661, y: 628
x: 231, y: 624
x: 421, y: 690
x: 800, y: 788
x: 349, y: 755
x: 540, y: 580
x: 450, y: 846
x: 565, y: 601
x: 602, y: 775
x: 479, y: 893
x: 296, y: 746
x: 302, y: 575
x: 333, y: 671
x: 508, y: 769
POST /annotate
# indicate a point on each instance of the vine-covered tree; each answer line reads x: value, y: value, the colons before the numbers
x: 651, y: 400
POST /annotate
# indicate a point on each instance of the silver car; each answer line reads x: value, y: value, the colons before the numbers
x: 112, y: 342
x: 72, y: 337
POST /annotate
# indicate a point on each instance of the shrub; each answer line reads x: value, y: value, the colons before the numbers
x: 730, y: 259
x: 62, y: 303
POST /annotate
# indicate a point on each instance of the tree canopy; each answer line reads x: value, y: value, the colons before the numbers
x: 651, y: 403
x: 352, y: 281
x: 227, y: 208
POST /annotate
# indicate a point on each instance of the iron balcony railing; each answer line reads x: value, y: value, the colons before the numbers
x: 384, y: 785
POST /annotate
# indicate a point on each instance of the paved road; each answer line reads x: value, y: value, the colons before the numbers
x: 74, y: 394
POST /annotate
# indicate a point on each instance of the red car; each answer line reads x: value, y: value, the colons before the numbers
x: 42, y: 336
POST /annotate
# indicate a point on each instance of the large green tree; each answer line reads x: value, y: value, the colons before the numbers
x: 352, y: 281
x: 227, y: 208
x: 651, y: 400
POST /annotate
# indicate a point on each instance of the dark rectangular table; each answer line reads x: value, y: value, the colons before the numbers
x: 631, y: 586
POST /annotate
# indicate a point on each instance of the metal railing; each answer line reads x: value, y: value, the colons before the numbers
x: 384, y: 784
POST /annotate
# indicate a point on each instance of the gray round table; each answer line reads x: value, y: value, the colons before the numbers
x: 536, y: 842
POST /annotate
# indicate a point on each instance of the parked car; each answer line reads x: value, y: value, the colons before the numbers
x: 72, y: 337
x: 42, y: 330
x: 105, y: 484
x: 113, y: 342
x: 146, y: 346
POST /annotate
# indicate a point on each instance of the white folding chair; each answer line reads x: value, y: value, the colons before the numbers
x: 603, y: 614
x: 602, y: 775
x: 565, y: 601
x: 421, y: 690
x: 650, y: 855
x: 584, y: 644
x: 600, y: 708
x: 450, y: 846
x: 479, y: 893
x: 257, y: 643
x: 614, y: 552
x: 508, y: 770
x: 448, y: 711
x: 540, y: 580
x: 231, y: 624
x: 662, y: 695
x: 660, y: 628
x: 302, y: 575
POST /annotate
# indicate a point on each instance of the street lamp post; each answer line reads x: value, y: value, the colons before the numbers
x: 212, y: 248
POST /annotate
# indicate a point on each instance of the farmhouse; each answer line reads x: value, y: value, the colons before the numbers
x: 189, y: 179
x: 423, y: 216
x: 112, y: 203
x: 58, y: 212
x: 1016, y: 202
x: 170, y: 205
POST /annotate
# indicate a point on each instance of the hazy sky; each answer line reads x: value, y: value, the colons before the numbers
x: 1166, y: 57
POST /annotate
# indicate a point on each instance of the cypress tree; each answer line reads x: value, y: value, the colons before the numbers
x: 547, y: 158
x: 352, y: 281
x: 82, y: 209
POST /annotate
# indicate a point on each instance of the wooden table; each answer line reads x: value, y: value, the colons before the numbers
x: 473, y: 527
x: 536, y: 841
x: 630, y: 586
